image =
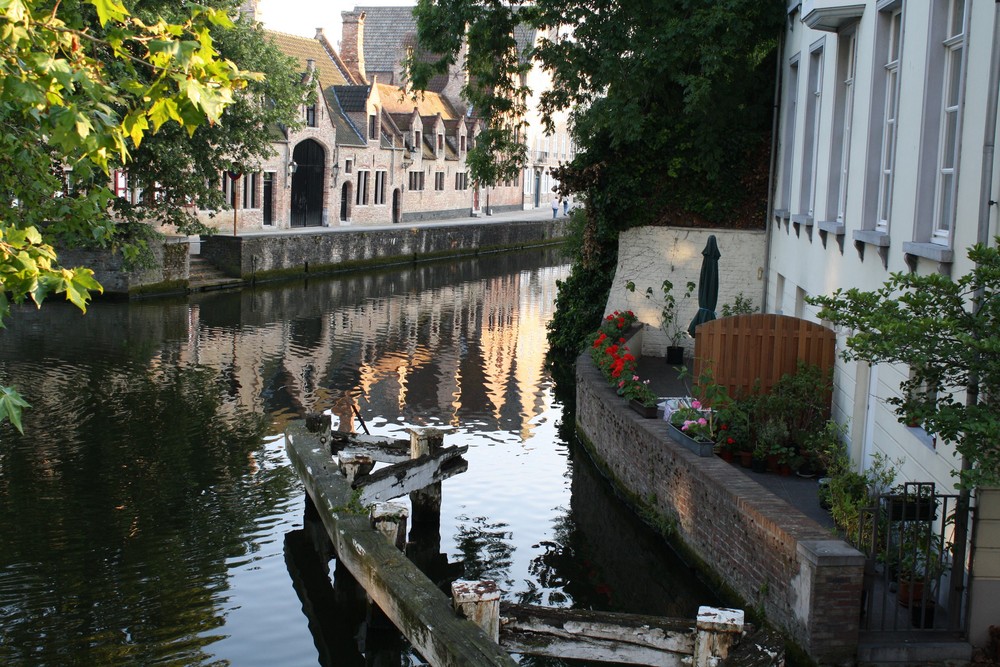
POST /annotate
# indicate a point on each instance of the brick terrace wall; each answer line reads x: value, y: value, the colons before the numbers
x: 774, y: 557
x: 264, y: 256
x: 648, y: 255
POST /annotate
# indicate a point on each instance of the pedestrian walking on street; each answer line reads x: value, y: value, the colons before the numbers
x: 565, y: 205
x: 555, y: 206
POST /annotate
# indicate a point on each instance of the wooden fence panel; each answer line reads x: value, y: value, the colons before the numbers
x: 743, y: 349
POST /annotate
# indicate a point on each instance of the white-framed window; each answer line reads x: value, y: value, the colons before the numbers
x: 361, y: 196
x: 788, y: 134
x: 461, y: 181
x: 892, y: 27
x: 814, y: 95
x: 380, y: 187
x: 348, y: 166
x: 439, y: 180
x: 840, y: 153
x: 416, y: 179
x: 946, y: 180
x: 310, y: 113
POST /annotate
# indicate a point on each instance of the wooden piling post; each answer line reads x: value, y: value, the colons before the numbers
x: 390, y: 520
x: 718, y: 629
x: 425, y: 523
x: 479, y: 601
x: 355, y: 465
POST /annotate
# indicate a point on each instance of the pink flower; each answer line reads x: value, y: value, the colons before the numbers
x: 696, y: 404
x: 702, y: 421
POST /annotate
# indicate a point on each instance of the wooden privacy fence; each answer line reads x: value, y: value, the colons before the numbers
x: 743, y: 349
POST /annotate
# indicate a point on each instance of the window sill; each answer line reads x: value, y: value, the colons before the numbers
x: 827, y: 227
x: 801, y: 220
x: 943, y: 255
x: 869, y: 237
x: 830, y: 15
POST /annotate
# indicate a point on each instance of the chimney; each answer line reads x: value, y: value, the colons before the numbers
x: 352, y: 44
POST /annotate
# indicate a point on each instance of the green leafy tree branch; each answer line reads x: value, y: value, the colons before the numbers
x: 82, y: 84
x: 948, y: 333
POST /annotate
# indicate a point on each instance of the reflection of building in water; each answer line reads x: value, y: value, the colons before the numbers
x: 432, y: 354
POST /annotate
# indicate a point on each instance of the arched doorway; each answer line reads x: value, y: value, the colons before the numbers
x: 397, y: 206
x: 307, y: 184
x: 345, y: 202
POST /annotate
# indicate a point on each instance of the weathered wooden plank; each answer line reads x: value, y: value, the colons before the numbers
x: 418, y: 609
x: 375, y: 454
x: 415, y: 474
x: 340, y: 440
x: 598, y: 636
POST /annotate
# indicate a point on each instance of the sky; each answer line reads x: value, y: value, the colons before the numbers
x: 302, y: 17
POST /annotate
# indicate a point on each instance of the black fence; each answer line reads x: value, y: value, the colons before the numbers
x: 917, y: 543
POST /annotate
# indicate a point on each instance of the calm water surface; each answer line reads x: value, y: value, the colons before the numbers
x: 143, y: 514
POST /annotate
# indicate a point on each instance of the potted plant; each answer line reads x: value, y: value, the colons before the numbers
x: 771, y: 437
x: 640, y: 397
x: 732, y: 431
x: 669, y: 323
x: 693, y: 427
x: 918, y: 562
x: 911, y: 502
x: 758, y: 462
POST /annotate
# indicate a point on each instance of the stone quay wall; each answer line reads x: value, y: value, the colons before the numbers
x: 773, y: 557
x: 168, y: 275
x: 261, y: 257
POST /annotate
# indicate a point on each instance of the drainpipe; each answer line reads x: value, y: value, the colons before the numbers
x: 771, y: 168
x: 972, y: 390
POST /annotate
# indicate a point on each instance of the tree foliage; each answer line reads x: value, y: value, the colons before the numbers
x: 948, y: 332
x: 82, y: 84
x: 670, y: 103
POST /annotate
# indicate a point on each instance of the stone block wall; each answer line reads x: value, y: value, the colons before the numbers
x: 648, y: 255
x: 169, y: 275
x: 266, y: 256
x: 774, y: 557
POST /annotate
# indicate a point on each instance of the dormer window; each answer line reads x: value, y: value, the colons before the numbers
x: 461, y: 144
x: 311, y: 115
x: 416, y: 140
x: 440, y: 142
x: 372, y: 127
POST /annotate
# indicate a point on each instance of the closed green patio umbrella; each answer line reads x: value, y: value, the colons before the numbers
x: 708, y: 285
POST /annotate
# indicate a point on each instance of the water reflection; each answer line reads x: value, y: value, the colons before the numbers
x: 144, y: 515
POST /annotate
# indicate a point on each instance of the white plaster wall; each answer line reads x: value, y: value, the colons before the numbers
x: 648, y: 255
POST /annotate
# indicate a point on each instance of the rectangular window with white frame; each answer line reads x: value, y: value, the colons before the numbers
x: 840, y: 152
x: 788, y: 134
x: 251, y: 188
x: 814, y: 95
x: 439, y: 181
x: 953, y: 47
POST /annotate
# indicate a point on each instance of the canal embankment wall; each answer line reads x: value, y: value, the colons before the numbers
x: 263, y: 257
x: 777, y: 560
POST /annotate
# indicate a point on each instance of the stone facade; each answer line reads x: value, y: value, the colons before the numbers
x: 648, y: 255
x: 772, y: 556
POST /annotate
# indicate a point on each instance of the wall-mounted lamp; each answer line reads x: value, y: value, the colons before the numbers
x: 335, y: 170
x: 292, y: 167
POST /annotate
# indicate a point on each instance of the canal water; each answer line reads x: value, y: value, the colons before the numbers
x: 144, y: 512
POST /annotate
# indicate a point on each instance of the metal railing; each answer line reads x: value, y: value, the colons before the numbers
x: 913, y: 581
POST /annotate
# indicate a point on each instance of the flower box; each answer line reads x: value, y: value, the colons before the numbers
x: 699, y: 447
x: 647, y: 411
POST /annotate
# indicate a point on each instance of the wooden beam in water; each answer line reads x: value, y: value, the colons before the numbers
x: 413, y: 475
x: 597, y: 636
x: 421, y: 612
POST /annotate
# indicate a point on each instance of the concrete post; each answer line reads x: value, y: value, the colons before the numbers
x: 479, y: 601
x: 718, y: 630
x: 355, y: 465
x: 390, y: 520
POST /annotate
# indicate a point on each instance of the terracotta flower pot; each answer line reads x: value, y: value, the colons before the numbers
x: 746, y: 459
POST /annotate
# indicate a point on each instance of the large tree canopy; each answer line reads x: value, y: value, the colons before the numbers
x: 670, y: 102
x: 85, y: 85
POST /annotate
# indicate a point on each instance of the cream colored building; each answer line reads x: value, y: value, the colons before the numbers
x: 884, y: 164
